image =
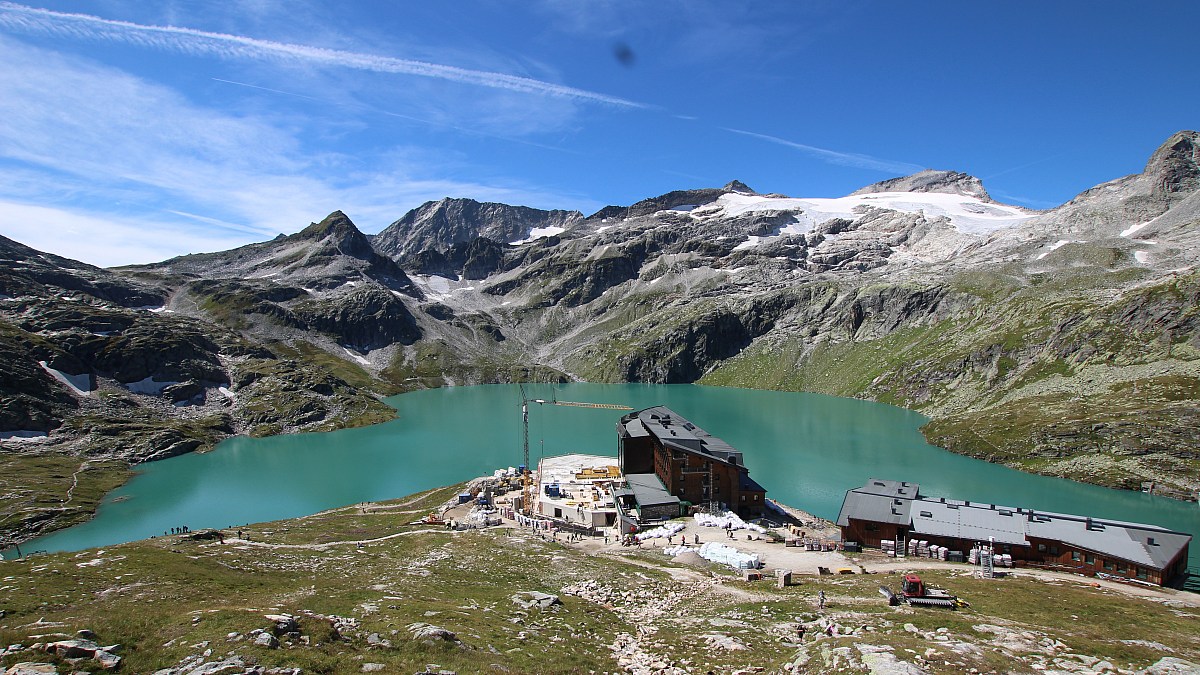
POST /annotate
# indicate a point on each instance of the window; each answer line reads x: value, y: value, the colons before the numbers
x: 1041, y: 548
x: 1075, y: 557
x: 926, y: 514
x: 1109, y: 566
x: 1005, y: 512
x: 1053, y: 550
x: 1121, y: 567
x: 743, y: 497
x: 1089, y: 559
x: 872, y: 527
x: 1141, y: 573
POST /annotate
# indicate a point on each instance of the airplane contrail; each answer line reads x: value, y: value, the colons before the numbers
x: 197, y: 42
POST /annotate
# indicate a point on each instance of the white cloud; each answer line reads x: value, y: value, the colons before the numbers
x: 105, y: 240
x: 196, y: 42
x: 104, y: 167
x: 851, y: 159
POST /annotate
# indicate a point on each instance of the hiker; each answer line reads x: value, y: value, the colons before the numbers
x: 697, y: 536
x: 239, y: 534
x: 821, y: 599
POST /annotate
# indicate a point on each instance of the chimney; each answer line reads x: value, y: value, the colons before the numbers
x: 1150, y: 541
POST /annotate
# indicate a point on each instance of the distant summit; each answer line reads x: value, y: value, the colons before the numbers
x: 1175, y: 165
x: 672, y: 200
x: 929, y: 180
x: 442, y: 224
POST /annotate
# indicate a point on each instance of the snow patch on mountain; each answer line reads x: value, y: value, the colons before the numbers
x: 1128, y: 232
x: 80, y: 384
x: 149, y: 386
x: 1053, y: 247
x: 536, y: 233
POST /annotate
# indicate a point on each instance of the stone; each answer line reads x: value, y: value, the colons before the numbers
x: 284, y: 623
x: 72, y: 649
x: 32, y: 669
x: 535, y: 599
x: 228, y: 666
x: 1169, y: 665
x: 267, y: 640
x: 424, y: 631
x: 108, y: 661
x: 373, y: 667
x: 85, y: 634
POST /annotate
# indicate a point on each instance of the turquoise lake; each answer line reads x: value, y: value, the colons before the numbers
x: 806, y: 449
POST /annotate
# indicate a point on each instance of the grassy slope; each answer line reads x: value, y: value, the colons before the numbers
x: 1036, y: 377
x: 166, y: 600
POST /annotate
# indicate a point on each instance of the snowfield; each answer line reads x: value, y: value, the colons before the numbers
x: 967, y: 214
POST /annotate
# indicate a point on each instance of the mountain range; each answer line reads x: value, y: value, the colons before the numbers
x: 1062, y: 341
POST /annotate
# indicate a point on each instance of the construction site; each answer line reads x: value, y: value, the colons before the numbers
x: 675, y: 487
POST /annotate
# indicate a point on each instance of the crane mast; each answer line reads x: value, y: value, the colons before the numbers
x: 526, y: 475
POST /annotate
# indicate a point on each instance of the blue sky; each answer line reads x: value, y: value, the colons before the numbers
x: 133, y: 131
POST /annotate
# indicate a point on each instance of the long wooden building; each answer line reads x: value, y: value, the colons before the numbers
x: 896, y: 511
x: 691, y: 463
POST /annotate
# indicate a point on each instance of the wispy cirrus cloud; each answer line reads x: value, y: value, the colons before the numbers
x: 25, y: 19
x: 102, y: 166
x: 851, y: 159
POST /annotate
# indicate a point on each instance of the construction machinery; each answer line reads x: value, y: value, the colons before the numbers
x: 526, y: 473
x: 916, y: 593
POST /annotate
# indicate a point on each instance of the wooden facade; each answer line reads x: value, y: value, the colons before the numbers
x: 877, y: 512
x: 692, y: 465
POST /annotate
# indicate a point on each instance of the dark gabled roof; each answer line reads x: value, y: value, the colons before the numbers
x: 748, y: 484
x: 881, y: 501
x: 677, y: 433
x: 887, y: 501
x: 648, y: 490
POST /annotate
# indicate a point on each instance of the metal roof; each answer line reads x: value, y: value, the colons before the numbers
x: 888, y: 501
x: 955, y: 519
x: 678, y: 433
x: 648, y: 490
x: 1147, y: 545
x: 883, y: 501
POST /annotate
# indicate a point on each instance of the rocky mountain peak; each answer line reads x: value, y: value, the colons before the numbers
x: 738, y: 186
x: 1175, y: 165
x: 930, y: 180
x: 446, y: 222
x: 339, y: 231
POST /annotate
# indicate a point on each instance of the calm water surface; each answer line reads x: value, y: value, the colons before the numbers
x: 806, y: 449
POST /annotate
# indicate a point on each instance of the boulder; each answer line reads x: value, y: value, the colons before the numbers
x: 425, y: 631
x: 283, y: 624
x: 31, y: 669
x: 535, y: 599
x: 267, y: 640
x: 73, y: 649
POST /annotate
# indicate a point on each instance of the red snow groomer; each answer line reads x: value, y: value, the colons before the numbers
x: 914, y: 592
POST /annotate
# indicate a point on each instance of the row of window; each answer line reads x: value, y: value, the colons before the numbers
x: 1116, y: 566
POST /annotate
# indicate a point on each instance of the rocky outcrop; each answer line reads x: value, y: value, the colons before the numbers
x: 28, y: 272
x: 365, y: 318
x: 478, y: 258
x: 676, y: 199
x: 439, y: 225
x: 929, y: 180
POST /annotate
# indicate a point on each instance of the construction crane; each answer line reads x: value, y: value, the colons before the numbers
x: 526, y: 478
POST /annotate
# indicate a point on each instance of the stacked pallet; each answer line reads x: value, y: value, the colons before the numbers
x: 888, y: 547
